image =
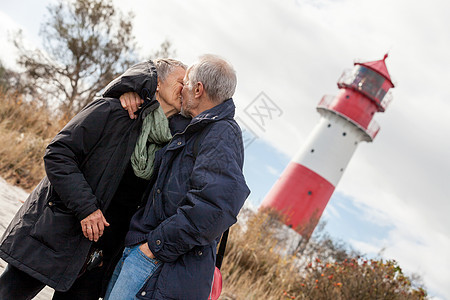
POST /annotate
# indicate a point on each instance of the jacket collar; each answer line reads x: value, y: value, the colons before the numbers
x: 178, y: 123
x: 225, y: 110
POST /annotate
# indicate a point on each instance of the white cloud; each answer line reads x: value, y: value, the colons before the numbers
x: 331, y: 211
x: 8, y: 51
x: 366, y: 248
x: 273, y: 171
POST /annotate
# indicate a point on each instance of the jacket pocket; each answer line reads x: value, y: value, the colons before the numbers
x: 57, y: 229
x: 189, y: 277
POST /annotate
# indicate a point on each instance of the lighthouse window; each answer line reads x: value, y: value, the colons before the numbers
x: 368, y: 81
x: 344, y: 133
x: 381, y: 93
x: 309, y: 193
x: 329, y: 125
x: 312, y: 150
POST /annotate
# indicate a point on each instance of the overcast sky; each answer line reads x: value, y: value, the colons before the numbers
x: 395, y: 191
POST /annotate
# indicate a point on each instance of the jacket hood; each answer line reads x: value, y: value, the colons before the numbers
x: 140, y: 78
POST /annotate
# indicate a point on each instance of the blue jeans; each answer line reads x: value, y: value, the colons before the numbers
x: 130, y: 274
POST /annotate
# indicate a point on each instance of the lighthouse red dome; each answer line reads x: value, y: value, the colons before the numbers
x: 378, y: 66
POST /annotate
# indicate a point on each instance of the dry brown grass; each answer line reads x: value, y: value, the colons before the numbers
x: 25, y: 131
x: 253, y: 268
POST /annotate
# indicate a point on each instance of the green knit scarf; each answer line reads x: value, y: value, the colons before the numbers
x: 155, y: 130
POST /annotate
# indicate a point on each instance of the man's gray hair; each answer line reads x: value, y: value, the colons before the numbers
x: 217, y: 75
x: 165, y: 66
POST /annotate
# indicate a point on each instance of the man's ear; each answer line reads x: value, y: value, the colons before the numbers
x: 199, y: 90
x: 158, y: 85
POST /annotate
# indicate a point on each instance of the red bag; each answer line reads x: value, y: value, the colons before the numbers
x: 216, y: 285
x: 217, y: 279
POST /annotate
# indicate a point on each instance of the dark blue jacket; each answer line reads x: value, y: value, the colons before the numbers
x: 194, y: 198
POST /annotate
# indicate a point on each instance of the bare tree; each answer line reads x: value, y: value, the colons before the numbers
x: 86, y: 44
x: 11, y: 81
x: 4, y: 82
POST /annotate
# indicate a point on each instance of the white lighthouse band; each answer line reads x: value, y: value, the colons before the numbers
x: 330, y: 146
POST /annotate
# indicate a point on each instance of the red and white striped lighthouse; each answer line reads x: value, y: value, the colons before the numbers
x: 306, y: 185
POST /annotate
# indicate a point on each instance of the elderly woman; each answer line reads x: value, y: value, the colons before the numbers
x: 70, y: 229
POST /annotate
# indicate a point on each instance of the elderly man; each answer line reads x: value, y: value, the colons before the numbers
x: 73, y: 224
x: 197, y: 192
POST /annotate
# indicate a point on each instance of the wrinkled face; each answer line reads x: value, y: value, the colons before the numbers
x: 170, y: 89
x: 189, y: 103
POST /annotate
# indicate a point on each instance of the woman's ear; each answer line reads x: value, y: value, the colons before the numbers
x: 157, y: 86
